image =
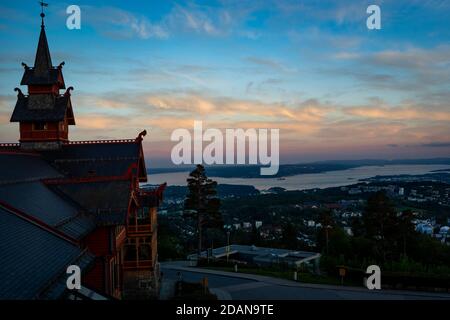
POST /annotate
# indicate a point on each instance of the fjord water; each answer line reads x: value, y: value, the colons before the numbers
x: 309, y: 180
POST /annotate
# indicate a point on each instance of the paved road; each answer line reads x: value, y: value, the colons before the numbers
x: 238, y: 286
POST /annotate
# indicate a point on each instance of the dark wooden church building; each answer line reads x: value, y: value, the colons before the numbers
x: 66, y: 202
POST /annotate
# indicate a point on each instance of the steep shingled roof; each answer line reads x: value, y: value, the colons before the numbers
x: 98, y: 158
x: 24, y: 166
x: 43, y: 72
x: 43, y: 60
x: 107, y: 201
x: 28, y: 264
x: 38, y: 201
x: 21, y: 187
x: 42, y: 107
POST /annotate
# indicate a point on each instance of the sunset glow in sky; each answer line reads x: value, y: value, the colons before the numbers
x: 335, y: 89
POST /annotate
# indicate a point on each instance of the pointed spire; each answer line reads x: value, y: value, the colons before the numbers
x: 43, y: 72
x: 43, y: 61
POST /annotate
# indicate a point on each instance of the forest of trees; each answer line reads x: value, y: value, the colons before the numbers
x: 382, y: 236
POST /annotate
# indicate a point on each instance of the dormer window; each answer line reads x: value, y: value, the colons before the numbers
x: 39, y: 126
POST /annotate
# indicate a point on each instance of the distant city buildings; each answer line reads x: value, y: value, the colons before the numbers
x: 304, y: 214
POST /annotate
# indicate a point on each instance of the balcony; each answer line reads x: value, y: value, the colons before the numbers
x: 139, y: 254
x: 138, y: 264
x: 140, y: 229
x: 120, y: 238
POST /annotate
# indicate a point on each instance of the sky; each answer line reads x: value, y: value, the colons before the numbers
x: 334, y: 88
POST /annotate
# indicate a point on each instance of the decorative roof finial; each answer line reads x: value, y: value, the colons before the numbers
x: 42, y: 4
x: 19, y: 92
x: 67, y: 93
x: 141, y: 135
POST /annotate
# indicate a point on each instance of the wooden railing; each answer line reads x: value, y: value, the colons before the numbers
x: 141, y: 264
x: 102, y: 141
x: 7, y: 144
x: 140, y: 228
x: 120, y: 238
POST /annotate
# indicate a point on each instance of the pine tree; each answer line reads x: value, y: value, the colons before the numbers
x: 201, y: 204
x: 289, y: 238
x: 381, y: 225
x: 327, y: 221
x: 406, y: 229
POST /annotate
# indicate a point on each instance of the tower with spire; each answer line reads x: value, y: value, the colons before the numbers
x: 44, y: 114
x: 87, y: 194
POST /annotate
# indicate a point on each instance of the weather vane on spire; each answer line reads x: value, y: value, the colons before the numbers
x: 42, y: 4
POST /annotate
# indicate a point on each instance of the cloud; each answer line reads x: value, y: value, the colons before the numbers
x: 309, y: 124
x: 267, y: 88
x: 197, y: 20
x: 399, y: 113
x: 229, y: 18
x: 4, y: 117
x: 98, y: 121
x: 202, y: 105
x: 200, y: 19
x: 340, y: 67
x: 118, y: 23
x: 107, y: 101
x: 359, y: 131
x: 346, y: 55
x: 413, y: 58
x: 309, y: 120
x: 250, y: 34
x: 164, y: 111
x: 421, y: 73
x: 7, y: 103
x: 269, y: 63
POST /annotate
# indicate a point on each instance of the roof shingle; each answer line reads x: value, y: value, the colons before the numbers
x: 28, y: 263
x: 19, y: 166
x: 41, y: 107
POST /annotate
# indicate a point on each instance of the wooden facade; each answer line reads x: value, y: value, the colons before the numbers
x: 140, y: 264
x: 44, y: 131
x: 124, y: 240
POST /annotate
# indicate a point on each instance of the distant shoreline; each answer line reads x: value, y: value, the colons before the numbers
x: 288, y: 170
x: 305, y: 181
